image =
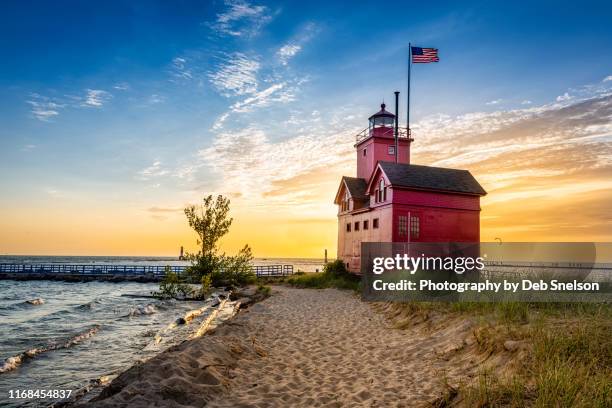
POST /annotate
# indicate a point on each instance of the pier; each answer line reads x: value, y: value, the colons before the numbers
x: 107, y: 272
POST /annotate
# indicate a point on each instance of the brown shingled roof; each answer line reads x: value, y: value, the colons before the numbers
x: 431, y: 178
x: 356, y: 187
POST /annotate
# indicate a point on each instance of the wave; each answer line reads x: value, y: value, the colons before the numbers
x: 12, y: 363
x: 143, y: 310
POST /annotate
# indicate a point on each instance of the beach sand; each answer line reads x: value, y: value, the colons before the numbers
x: 306, y: 347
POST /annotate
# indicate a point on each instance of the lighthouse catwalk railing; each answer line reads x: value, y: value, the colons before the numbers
x: 367, y: 132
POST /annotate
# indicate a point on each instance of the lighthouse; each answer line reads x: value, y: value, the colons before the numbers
x: 392, y: 200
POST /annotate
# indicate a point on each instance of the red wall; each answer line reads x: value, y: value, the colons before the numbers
x: 439, y: 224
x: 435, y: 199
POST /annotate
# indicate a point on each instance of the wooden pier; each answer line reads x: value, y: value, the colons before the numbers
x: 88, y: 272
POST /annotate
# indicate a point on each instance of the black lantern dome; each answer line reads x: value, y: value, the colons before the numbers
x: 382, y: 118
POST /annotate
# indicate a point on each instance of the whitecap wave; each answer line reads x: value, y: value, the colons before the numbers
x: 12, y: 363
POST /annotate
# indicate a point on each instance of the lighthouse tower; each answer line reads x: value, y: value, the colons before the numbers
x: 377, y: 143
x: 392, y: 200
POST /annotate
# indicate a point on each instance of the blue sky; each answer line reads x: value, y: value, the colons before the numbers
x: 144, y: 106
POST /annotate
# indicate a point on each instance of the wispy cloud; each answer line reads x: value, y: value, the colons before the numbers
x: 241, y: 19
x: 275, y: 93
x: 297, y: 42
x: 180, y: 69
x: 288, y: 51
x: 154, y: 170
x: 608, y: 78
x: 95, y: 98
x: 235, y: 75
x: 121, y: 86
x: 526, y: 102
x: 44, y: 108
x: 565, y: 97
x: 495, y: 102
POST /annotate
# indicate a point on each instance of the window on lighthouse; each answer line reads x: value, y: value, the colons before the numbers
x: 345, y: 202
x: 415, y: 227
x: 381, y: 193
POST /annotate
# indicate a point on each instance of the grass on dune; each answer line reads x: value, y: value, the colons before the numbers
x: 334, y: 275
x: 569, y: 358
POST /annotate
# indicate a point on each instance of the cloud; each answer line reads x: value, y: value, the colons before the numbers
x: 155, y: 99
x: 287, y: 51
x: 179, y: 69
x: 494, y: 102
x: 154, y: 170
x: 218, y: 125
x: 296, y: 44
x: 236, y: 75
x: 526, y: 102
x: 28, y: 147
x: 241, y: 19
x: 608, y: 78
x: 565, y: 97
x: 274, y: 93
x: 95, y: 98
x: 121, y: 86
x: 44, y: 108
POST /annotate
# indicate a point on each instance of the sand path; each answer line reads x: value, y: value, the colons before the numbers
x: 327, y: 348
x: 304, y: 348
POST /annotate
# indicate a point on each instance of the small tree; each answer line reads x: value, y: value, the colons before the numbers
x: 210, y: 221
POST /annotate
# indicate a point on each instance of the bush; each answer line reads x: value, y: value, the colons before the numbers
x: 336, y: 269
x: 171, y: 287
x: 334, y: 275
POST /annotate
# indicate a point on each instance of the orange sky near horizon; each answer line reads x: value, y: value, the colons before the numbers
x: 547, y: 171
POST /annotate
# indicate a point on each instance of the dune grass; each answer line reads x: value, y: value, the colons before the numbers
x: 569, y: 358
x: 334, y: 275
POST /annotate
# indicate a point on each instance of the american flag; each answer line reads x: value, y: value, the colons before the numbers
x: 424, y: 55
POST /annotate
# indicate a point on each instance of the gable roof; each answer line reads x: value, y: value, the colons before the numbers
x: 356, y: 188
x: 431, y: 178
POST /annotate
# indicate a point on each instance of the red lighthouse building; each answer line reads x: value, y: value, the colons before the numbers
x: 394, y: 201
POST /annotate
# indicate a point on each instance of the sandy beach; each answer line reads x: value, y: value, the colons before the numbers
x: 303, y: 347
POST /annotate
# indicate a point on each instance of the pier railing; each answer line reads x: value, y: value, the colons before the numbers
x: 123, y: 270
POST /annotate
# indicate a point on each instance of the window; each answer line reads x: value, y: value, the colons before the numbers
x: 365, y: 224
x: 391, y: 150
x: 348, y: 227
x: 415, y: 228
x: 365, y: 152
x: 375, y: 223
x: 381, y: 192
x: 345, y: 202
x: 356, y: 225
x: 402, y: 226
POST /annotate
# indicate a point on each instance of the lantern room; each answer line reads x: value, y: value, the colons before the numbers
x: 381, y: 123
x: 377, y: 143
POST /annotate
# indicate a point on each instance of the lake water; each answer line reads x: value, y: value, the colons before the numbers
x: 83, y: 332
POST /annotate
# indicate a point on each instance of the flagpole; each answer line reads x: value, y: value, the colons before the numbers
x: 408, y: 93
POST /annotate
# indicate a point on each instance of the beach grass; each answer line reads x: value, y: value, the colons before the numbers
x: 334, y: 275
x: 568, y: 360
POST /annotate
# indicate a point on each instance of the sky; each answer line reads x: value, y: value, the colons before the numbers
x: 116, y: 115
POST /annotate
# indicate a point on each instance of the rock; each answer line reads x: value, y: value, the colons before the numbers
x: 37, y: 301
x: 181, y: 320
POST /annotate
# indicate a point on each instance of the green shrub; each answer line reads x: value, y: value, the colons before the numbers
x: 334, y: 275
x: 172, y: 287
x: 336, y: 269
